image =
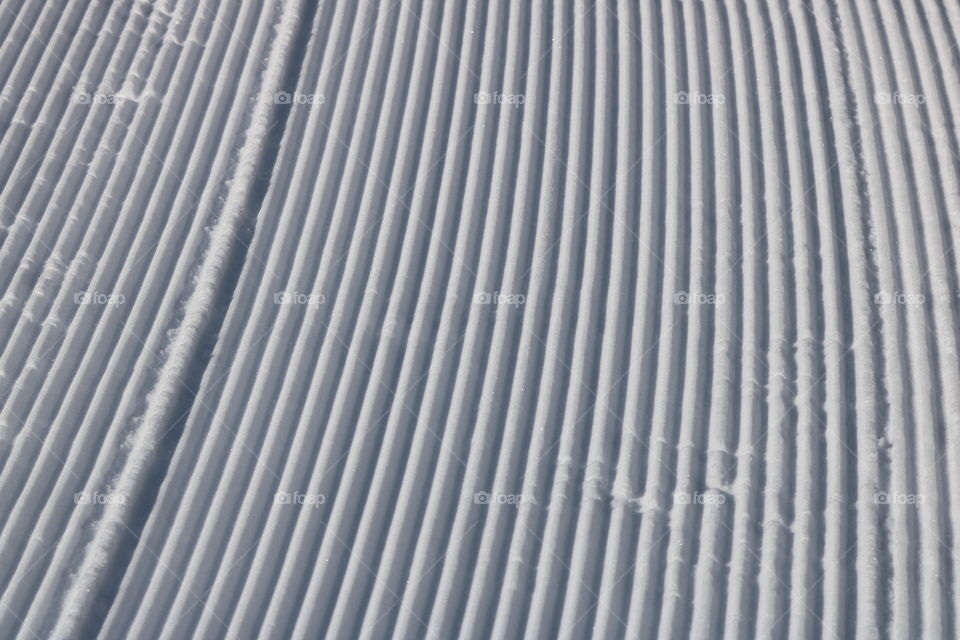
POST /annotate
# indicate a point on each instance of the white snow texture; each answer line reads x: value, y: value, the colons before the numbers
x: 479, y: 318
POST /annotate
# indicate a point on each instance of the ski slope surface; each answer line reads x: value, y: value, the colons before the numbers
x: 479, y: 318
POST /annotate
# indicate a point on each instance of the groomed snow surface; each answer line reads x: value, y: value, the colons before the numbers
x: 479, y: 318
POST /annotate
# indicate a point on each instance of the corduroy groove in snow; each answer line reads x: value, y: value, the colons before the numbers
x: 479, y: 318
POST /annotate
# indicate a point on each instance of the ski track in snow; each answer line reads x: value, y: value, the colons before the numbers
x: 412, y: 318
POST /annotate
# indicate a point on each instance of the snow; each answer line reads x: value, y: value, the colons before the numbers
x: 540, y: 319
